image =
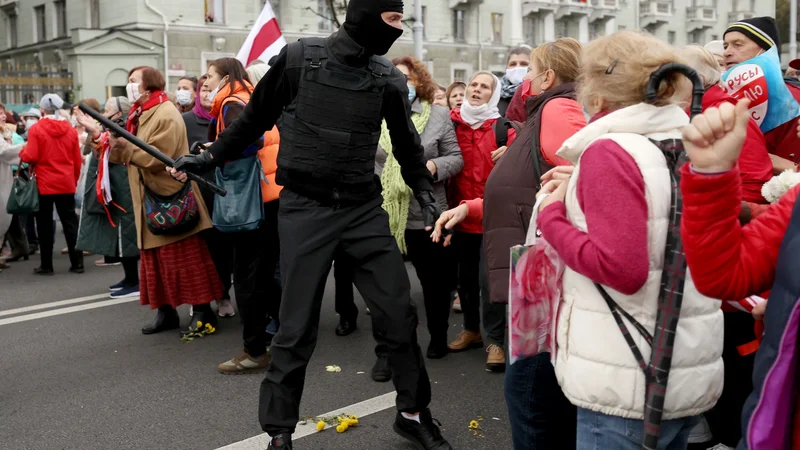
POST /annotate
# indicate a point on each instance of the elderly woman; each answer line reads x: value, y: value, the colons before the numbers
x: 107, y: 224
x: 175, y: 269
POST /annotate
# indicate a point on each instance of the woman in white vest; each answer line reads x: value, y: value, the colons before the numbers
x: 616, y: 225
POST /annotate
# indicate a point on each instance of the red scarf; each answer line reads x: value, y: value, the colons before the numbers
x: 156, y: 98
x: 103, y: 150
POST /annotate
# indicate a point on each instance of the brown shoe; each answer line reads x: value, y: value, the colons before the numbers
x: 244, y: 363
x: 465, y: 341
x: 496, y: 361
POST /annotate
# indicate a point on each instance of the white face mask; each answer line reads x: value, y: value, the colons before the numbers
x: 213, y: 94
x: 516, y: 74
x: 184, y: 97
x: 133, y: 92
x: 30, y: 122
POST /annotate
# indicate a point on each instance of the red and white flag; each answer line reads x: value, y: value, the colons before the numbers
x: 265, y: 39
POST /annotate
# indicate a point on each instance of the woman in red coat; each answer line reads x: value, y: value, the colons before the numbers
x: 477, y: 132
x: 730, y: 261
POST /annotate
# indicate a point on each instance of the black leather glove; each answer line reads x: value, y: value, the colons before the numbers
x: 197, y: 164
x: 430, y: 209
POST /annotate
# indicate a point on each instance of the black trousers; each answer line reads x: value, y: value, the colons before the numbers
x: 65, y: 205
x: 16, y: 237
x: 30, y: 229
x: 257, y: 296
x: 311, y: 234
x: 343, y: 273
x: 474, y: 289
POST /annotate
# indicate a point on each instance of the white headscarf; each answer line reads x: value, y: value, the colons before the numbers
x: 474, y: 115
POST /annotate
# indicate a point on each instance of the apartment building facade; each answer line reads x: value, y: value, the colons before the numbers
x: 98, y: 41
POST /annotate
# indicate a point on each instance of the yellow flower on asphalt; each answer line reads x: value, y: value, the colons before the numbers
x: 333, y: 368
x: 199, y: 324
x: 341, y: 428
x: 320, y: 425
x: 473, y: 425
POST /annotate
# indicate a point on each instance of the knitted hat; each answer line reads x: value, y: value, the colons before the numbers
x: 761, y: 30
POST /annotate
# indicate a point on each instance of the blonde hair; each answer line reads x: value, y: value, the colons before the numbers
x: 703, y: 62
x: 563, y: 56
x: 617, y: 69
x: 484, y: 72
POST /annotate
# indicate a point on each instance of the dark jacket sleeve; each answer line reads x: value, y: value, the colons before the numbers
x: 271, y: 95
x: 405, y: 139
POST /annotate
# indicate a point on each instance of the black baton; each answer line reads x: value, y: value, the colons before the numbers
x: 147, y: 148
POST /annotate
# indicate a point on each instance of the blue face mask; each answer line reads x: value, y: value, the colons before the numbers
x: 412, y: 92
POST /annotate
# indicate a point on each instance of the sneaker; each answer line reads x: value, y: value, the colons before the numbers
x: 425, y: 434
x: 281, y: 442
x: 132, y: 291
x: 496, y: 361
x: 244, y: 363
x: 118, y: 286
x: 381, y: 372
x: 225, y: 308
x: 102, y: 263
x: 465, y: 341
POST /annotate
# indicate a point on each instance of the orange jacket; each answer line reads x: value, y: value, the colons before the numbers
x: 268, y: 155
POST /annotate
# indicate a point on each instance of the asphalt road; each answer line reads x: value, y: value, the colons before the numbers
x: 88, y: 379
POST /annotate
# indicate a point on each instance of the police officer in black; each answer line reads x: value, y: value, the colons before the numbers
x: 332, y: 95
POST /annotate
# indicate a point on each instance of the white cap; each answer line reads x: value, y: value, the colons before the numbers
x: 51, y: 102
x: 33, y: 112
x: 716, y: 48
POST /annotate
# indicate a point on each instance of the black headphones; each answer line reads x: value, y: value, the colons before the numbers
x: 651, y: 91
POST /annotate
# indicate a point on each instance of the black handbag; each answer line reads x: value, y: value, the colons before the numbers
x: 170, y: 214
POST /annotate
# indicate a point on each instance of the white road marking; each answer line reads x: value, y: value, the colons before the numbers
x: 72, y: 309
x: 73, y: 301
x: 361, y: 409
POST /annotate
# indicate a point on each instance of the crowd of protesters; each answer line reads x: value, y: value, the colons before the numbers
x: 567, y: 142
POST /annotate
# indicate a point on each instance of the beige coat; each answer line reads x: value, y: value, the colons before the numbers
x: 163, y: 128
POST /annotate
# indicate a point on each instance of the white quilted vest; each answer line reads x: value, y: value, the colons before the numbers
x: 594, y: 364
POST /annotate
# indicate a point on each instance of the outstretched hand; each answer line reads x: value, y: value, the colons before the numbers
x: 714, y: 139
x: 447, y: 221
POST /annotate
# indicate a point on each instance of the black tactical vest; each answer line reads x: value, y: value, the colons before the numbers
x: 330, y: 131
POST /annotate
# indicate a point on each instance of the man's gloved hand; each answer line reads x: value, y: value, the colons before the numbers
x: 430, y: 209
x: 197, y: 164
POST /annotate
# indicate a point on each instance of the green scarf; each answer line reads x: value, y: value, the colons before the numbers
x: 396, y: 195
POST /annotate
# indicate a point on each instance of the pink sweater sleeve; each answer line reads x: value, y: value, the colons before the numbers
x: 611, y: 194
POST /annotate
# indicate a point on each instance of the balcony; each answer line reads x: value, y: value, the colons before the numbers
x: 535, y: 6
x: 604, y: 9
x: 4, y: 3
x: 736, y: 16
x: 572, y: 8
x: 700, y: 17
x: 655, y: 12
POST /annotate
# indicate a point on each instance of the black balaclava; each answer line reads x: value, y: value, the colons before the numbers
x: 366, y: 27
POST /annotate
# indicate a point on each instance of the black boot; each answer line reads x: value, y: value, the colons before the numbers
x: 202, y: 323
x: 281, y: 442
x: 425, y: 433
x: 346, y: 327
x: 437, y: 349
x: 381, y: 372
x: 166, y: 319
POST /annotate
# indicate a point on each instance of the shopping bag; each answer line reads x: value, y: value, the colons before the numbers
x: 24, y: 198
x: 243, y: 208
x: 534, y: 294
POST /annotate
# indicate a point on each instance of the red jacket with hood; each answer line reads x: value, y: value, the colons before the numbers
x: 54, y: 151
x: 755, y: 166
x: 477, y: 146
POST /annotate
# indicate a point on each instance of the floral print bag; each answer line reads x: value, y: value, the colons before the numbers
x: 534, y: 293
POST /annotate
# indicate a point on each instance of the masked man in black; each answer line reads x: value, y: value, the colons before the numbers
x: 332, y: 95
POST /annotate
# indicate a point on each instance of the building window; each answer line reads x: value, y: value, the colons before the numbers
x: 497, y: 28
x: 671, y: 37
x: 94, y: 13
x: 325, y: 21
x: 425, y: 22
x: 39, y: 24
x: 459, y: 25
x: 61, y: 17
x: 459, y: 75
x: 215, y: 11
x: 11, y: 28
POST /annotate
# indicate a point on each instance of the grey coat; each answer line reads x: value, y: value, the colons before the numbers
x: 441, y: 147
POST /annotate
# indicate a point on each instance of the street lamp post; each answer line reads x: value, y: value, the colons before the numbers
x: 417, y: 28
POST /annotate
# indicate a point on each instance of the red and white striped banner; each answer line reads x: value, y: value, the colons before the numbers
x: 265, y: 39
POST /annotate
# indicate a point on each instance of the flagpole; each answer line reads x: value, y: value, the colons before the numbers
x: 792, y: 29
x: 417, y: 27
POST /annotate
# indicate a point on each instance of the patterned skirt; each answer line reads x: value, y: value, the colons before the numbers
x: 178, y: 273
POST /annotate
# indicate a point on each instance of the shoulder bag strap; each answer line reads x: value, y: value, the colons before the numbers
x: 618, y: 314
